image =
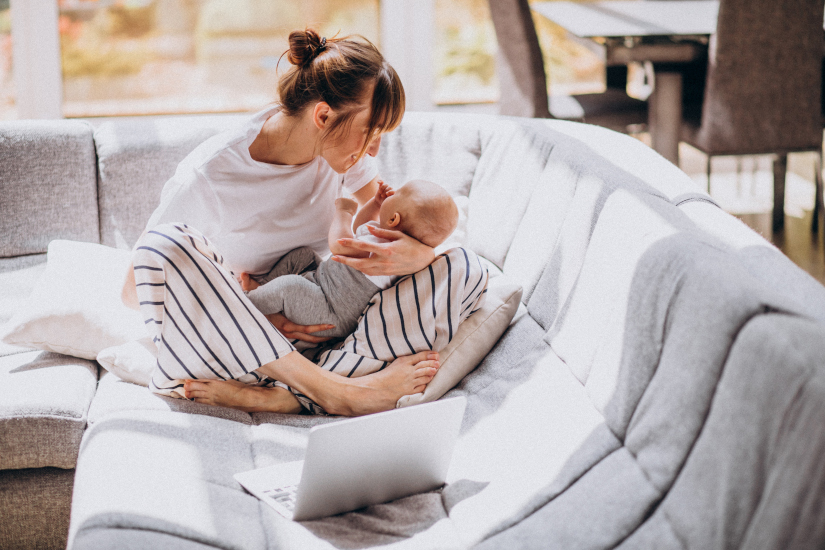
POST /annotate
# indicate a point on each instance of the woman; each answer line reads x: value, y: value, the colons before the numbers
x: 247, y: 197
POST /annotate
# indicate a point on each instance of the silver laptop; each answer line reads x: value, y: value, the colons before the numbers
x: 363, y: 461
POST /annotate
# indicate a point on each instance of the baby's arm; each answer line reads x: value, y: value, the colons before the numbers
x: 342, y: 228
x: 369, y: 212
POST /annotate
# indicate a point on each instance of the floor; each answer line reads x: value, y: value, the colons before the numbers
x: 743, y: 186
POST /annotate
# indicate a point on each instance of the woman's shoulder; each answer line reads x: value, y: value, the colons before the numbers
x: 217, y: 146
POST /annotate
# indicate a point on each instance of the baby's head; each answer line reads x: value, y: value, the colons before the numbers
x: 421, y: 209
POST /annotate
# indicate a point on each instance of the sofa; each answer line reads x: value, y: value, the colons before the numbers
x: 662, y: 385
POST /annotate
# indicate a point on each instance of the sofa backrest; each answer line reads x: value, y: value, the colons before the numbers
x: 605, y: 236
x: 136, y: 156
x: 48, y: 188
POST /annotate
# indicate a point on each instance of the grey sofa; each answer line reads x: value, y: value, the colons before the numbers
x: 663, y: 385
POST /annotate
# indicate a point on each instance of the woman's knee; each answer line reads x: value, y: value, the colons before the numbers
x: 172, y: 242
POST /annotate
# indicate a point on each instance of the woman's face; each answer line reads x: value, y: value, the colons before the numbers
x: 341, y: 152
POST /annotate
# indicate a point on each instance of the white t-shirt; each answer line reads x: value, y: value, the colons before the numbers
x: 256, y: 212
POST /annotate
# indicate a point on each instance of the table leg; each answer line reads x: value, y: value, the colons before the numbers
x: 665, y: 115
x: 780, y: 168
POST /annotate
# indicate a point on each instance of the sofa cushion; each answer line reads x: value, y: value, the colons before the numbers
x: 35, y: 504
x: 624, y: 155
x: 443, y: 148
x: 18, y: 277
x: 115, y: 396
x: 761, y: 259
x: 44, y: 401
x: 165, y: 467
x: 48, y: 185
x: 748, y: 480
x: 75, y: 307
x: 510, y: 168
x: 136, y: 156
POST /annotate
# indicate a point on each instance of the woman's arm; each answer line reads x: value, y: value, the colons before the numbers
x: 341, y: 228
x: 366, y: 193
x: 129, y: 293
x: 402, y: 256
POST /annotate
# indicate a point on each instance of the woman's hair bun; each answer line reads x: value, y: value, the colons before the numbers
x: 304, y: 46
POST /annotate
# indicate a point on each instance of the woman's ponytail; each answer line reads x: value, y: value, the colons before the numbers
x: 304, y: 47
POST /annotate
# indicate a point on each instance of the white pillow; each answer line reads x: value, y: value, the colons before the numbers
x: 75, y: 308
x: 473, y: 341
x: 131, y: 362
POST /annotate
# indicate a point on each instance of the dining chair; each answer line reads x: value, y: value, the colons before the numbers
x: 523, y: 81
x: 763, y: 89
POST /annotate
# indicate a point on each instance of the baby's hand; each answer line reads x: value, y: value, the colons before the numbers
x: 383, y: 192
x: 247, y: 282
x: 347, y: 205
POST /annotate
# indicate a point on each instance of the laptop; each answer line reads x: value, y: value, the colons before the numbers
x: 363, y: 461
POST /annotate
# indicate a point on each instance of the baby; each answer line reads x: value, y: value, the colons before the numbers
x: 329, y: 292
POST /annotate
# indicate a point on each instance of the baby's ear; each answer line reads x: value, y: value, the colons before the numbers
x: 394, y: 220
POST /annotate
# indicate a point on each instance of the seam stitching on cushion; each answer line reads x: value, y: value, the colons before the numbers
x: 507, y: 524
x: 198, y: 540
x: 689, y: 450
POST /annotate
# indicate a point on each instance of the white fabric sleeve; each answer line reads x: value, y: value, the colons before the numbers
x: 362, y: 172
x: 187, y: 198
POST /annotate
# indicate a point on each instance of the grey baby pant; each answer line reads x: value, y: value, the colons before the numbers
x: 311, y: 292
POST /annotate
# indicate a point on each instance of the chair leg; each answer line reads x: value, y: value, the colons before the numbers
x: 819, y: 205
x: 738, y: 176
x: 780, y: 165
x: 708, y: 171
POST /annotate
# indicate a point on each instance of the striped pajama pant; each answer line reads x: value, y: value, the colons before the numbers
x: 205, y: 327
x: 197, y: 313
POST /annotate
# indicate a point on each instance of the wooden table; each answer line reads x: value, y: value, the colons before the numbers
x: 665, y: 33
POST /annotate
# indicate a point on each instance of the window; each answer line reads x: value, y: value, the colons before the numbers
x: 572, y: 65
x: 466, y: 50
x: 123, y: 57
x: 187, y: 56
x: 465, y: 53
x: 7, y: 106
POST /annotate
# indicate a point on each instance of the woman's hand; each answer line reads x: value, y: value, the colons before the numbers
x: 402, y: 256
x: 298, y: 332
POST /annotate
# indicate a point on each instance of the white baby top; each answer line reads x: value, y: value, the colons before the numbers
x: 363, y: 234
x: 256, y: 212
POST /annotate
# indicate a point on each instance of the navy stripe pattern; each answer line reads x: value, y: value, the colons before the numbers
x: 419, y: 313
x: 197, y: 313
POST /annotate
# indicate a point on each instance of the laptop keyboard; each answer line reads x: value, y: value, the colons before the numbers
x: 285, y: 496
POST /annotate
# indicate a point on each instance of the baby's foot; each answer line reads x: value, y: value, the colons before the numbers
x: 247, y: 282
x: 244, y: 397
x: 346, y: 205
x: 380, y: 391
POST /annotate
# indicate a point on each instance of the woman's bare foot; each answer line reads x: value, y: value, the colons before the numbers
x: 247, y: 282
x: 380, y: 391
x: 237, y: 395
